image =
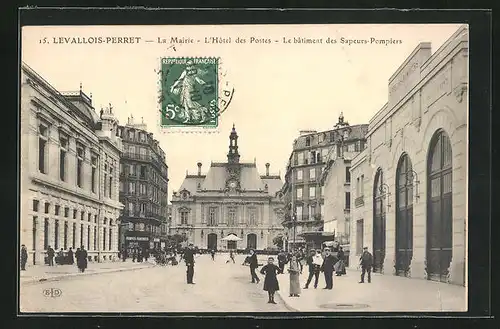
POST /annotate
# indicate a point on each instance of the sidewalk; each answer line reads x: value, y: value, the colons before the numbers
x: 41, y: 273
x: 386, y: 293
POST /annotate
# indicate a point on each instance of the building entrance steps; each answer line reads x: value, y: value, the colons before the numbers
x: 384, y: 293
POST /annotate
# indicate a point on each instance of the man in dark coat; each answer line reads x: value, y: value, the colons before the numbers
x: 253, y: 263
x: 189, y: 259
x: 328, y: 268
x: 24, y: 257
x: 50, y: 255
x: 282, y: 260
x: 212, y: 253
x: 71, y: 259
x: 81, y: 259
x: 366, y: 262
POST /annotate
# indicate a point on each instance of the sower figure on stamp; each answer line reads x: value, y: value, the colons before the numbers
x: 314, y: 262
x: 185, y: 87
x: 189, y: 259
x: 366, y: 262
x: 24, y: 257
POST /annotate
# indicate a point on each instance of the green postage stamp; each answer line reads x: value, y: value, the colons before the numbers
x: 189, y: 92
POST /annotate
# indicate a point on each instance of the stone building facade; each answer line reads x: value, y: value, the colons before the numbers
x: 143, y: 188
x: 69, y: 172
x: 337, y: 183
x: 304, y: 188
x: 231, y: 198
x: 411, y: 194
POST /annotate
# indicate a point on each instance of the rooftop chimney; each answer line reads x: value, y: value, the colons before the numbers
x: 199, y: 168
x: 267, y: 169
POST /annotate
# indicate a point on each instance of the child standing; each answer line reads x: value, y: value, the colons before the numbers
x: 271, y: 282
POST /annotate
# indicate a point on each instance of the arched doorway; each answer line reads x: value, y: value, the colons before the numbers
x: 404, y: 215
x: 212, y: 241
x: 378, y: 222
x: 252, y: 241
x: 439, y: 208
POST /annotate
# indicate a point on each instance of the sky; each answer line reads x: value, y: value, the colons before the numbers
x: 280, y: 88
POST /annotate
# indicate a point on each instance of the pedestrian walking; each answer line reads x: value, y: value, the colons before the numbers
x: 270, y: 280
x: 366, y: 262
x: 124, y: 254
x: 314, y: 262
x: 24, y: 257
x: 340, y: 265
x: 82, y: 260
x: 294, y: 271
x: 189, y: 259
x: 212, y: 254
x: 60, y: 257
x: 251, y: 260
x: 328, y: 268
x: 50, y: 255
x: 71, y: 259
x: 134, y: 254
x: 282, y: 260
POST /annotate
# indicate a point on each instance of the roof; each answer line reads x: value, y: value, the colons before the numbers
x: 216, y: 177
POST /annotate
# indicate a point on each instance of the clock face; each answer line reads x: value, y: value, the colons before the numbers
x: 232, y: 184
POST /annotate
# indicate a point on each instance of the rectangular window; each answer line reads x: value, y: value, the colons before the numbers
x: 95, y: 238
x: 81, y: 235
x: 110, y: 187
x: 79, y: 166
x: 308, y: 141
x: 347, y: 174
x: 132, y: 170
x: 66, y: 212
x: 73, y: 244
x: 95, y: 218
x: 212, y: 219
x: 300, y: 157
x: 103, y: 238
x: 46, y: 228
x: 359, y: 237
x: 47, y: 207
x: 362, y: 184
x: 82, y: 215
x: 131, y: 135
x: 62, y: 161
x: 312, y: 192
x: 298, y: 212
x: 299, y: 193
x: 42, y: 148
x: 88, y: 237
x: 94, y: 172
x: 143, y: 188
x: 184, y: 217
x: 105, y: 185
x: 143, y: 209
x: 110, y: 239
x: 231, y: 215
x: 35, y: 205
x: 89, y: 217
x: 65, y: 235
x: 347, y: 200
x: 74, y: 214
x: 312, y: 211
x: 312, y: 174
x: 131, y: 187
x: 143, y: 172
x: 56, y: 234
x: 299, y: 174
x: 357, y: 187
x: 57, y: 208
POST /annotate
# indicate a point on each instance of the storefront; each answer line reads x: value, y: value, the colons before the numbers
x: 134, y: 242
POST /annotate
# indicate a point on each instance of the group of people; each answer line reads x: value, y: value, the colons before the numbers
x: 138, y: 254
x: 61, y: 258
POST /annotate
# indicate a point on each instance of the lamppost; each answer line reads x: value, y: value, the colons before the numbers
x: 411, y: 176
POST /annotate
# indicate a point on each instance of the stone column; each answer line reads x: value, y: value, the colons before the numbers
x: 39, y: 251
x: 417, y: 266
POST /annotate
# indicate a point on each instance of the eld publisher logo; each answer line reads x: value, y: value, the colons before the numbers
x: 52, y: 292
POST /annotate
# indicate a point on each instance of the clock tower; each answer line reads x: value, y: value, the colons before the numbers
x: 233, y: 162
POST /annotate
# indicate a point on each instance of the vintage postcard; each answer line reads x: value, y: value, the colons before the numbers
x: 243, y: 168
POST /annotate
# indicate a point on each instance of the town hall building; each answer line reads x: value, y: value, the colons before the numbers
x: 232, y: 198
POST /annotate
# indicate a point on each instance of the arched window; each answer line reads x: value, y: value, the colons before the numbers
x: 252, y: 241
x: 439, y: 207
x: 378, y: 222
x: 404, y: 215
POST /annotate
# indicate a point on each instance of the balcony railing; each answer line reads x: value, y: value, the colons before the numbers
x: 137, y: 156
x: 359, y: 201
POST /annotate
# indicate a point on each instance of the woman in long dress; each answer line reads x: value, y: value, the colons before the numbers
x: 294, y: 270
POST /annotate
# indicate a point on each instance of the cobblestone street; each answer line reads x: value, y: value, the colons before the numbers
x: 219, y: 287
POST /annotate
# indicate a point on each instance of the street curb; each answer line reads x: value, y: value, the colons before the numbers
x: 287, y: 305
x: 69, y: 276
